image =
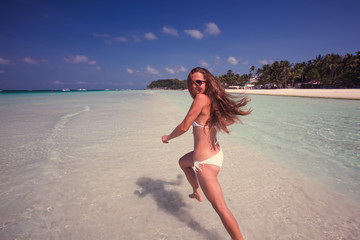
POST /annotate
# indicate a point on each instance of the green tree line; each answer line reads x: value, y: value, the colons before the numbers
x: 329, y: 71
x: 168, y: 84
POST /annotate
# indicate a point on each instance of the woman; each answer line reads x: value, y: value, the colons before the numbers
x: 212, y: 110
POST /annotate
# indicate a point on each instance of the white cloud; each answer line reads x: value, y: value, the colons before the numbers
x: 99, y: 68
x: 101, y: 35
x: 264, y: 61
x: 136, y: 38
x: 170, y: 30
x: 212, y: 29
x: 218, y: 59
x: 232, y: 60
x: 2, y: 71
x: 204, y: 63
x: 194, y: 33
x: 170, y: 70
x: 108, y: 42
x: 57, y: 82
x: 130, y: 71
x: 4, y: 61
x: 150, y: 36
x: 152, y: 70
x: 183, y: 69
x: 175, y: 70
x: 80, y: 59
x: 105, y: 36
x: 30, y: 60
x: 246, y: 62
x: 121, y: 39
x: 76, y: 59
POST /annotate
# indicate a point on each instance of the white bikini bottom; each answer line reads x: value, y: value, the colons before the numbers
x: 216, y: 160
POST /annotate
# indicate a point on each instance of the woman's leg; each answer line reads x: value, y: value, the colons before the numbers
x: 186, y: 163
x: 210, y: 186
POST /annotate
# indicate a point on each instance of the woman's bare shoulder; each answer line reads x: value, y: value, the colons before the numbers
x: 202, y: 98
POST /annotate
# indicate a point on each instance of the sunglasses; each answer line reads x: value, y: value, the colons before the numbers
x: 199, y: 82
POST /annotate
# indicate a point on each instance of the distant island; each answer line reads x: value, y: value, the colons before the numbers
x: 172, y: 84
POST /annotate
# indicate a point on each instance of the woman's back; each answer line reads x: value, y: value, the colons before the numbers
x: 205, y: 141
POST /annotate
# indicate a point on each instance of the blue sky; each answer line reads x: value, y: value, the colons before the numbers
x: 128, y: 44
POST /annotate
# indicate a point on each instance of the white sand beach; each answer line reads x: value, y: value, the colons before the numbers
x: 319, y: 93
x: 93, y: 166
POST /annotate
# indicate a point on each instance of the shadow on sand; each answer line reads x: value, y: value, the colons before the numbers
x: 171, y: 202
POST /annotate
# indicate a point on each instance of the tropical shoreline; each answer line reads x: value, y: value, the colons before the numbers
x: 353, y: 94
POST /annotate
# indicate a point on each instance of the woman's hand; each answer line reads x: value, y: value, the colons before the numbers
x: 165, y: 139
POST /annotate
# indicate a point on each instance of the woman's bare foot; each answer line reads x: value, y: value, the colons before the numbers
x: 196, y: 195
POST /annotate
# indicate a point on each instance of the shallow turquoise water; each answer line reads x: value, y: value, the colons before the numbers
x: 70, y: 163
x: 318, y: 138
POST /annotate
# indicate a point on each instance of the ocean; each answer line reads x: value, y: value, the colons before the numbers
x: 70, y: 162
x: 319, y: 138
x: 316, y: 137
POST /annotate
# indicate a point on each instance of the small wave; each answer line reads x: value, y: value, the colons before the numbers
x: 64, y: 119
x: 54, y: 154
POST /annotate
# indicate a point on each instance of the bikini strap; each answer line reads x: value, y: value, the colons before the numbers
x: 196, y: 165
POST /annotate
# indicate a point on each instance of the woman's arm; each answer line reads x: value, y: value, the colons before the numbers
x: 199, y: 102
x: 179, y: 130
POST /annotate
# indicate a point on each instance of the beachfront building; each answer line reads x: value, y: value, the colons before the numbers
x: 235, y: 87
x: 251, y: 83
x: 316, y: 83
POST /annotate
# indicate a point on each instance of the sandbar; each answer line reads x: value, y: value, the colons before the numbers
x: 317, y: 93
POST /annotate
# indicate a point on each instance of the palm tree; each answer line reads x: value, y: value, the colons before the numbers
x: 285, y: 72
x: 333, y: 66
x: 264, y: 74
x: 252, y: 70
x: 276, y: 74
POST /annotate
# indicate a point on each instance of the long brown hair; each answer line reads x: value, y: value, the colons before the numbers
x: 225, y: 109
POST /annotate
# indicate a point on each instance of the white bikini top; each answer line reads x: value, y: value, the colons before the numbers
x: 195, y: 124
